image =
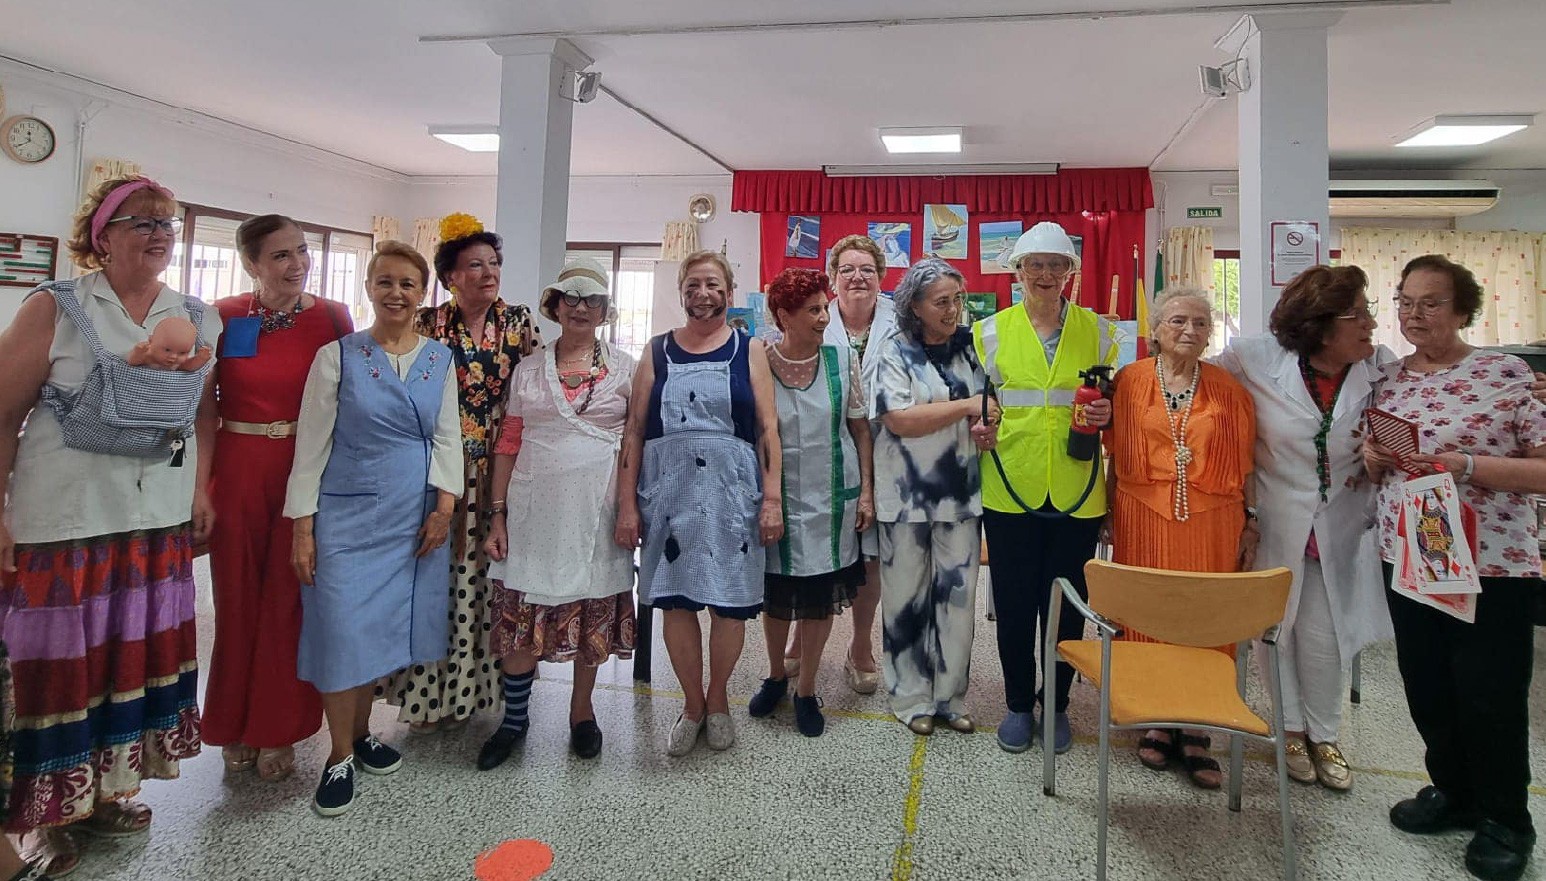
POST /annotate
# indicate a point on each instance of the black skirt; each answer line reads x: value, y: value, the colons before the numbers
x: 811, y: 597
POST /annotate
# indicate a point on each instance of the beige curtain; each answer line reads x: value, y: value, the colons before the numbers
x: 1510, y: 265
x: 679, y: 240
x: 385, y: 228
x: 103, y: 170
x: 1189, y: 257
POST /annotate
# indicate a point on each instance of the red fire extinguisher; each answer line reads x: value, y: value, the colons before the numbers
x: 1084, y: 438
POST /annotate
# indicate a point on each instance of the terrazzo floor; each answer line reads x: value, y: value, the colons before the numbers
x: 867, y: 800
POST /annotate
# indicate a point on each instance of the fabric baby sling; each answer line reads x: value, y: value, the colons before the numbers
x: 123, y: 410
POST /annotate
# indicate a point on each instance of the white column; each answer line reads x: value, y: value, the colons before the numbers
x: 1284, y: 164
x: 535, y: 128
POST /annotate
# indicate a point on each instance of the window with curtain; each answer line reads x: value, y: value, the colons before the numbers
x: 631, y: 281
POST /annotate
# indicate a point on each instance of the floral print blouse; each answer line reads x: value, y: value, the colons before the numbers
x: 1482, y: 406
x: 482, y: 366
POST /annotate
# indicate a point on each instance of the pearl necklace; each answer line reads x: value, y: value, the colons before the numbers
x: 1180, y: 506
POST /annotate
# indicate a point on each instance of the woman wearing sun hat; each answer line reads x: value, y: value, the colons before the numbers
x: 563, y: 590
x: 488, y: 338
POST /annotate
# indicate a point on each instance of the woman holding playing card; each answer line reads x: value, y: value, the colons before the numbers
x: 1467, y: 684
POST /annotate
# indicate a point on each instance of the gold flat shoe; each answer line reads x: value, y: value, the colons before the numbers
x: 962, y: 723
x: 1330, y: 767
x: 922, y: 726
x: 1296, y: 754
x: 238, y: 759
x: 859, y: 680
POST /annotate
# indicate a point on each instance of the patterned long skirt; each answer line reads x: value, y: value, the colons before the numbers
x: 467, y: 680
x: 102, y: 644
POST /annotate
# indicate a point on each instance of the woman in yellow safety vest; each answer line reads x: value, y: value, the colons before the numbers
x: 1042, y: 508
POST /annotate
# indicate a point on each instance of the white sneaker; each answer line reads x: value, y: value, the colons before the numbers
x: 721, y: 733
x: 684, y: 734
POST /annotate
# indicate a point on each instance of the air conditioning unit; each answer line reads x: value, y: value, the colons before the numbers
x: 1412, y: 198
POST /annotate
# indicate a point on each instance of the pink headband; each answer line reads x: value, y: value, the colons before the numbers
x: 115, y: 199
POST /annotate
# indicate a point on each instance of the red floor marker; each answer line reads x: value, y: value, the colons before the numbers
x: 521, y: 860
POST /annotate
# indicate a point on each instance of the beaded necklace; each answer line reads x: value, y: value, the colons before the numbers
x: 274, y: 319
x: 573, y: 381
x: 1327, y: 408
x: 1180, y: 505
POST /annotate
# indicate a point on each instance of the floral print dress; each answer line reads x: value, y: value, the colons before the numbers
x: 1482, y: 406
x: 467, y: 679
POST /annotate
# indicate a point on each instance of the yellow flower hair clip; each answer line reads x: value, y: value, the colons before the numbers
x: 459, y: 226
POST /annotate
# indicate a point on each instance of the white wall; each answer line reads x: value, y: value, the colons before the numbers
x: 202, y: 162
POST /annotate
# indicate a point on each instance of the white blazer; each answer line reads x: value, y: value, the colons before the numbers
x: 881, y: 325
x: 1288, y: 489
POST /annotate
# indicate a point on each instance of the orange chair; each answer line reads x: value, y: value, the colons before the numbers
x: 1181, y: 683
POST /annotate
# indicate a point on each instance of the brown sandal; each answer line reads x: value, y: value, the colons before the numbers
x: 1196, y: 765
x: 56, y: 850
x: 238, y: 757
x: 118, y: 819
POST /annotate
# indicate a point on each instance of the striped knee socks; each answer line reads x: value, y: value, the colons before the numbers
x: 517, y: 695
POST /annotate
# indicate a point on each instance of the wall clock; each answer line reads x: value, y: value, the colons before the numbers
x: 27, y: 139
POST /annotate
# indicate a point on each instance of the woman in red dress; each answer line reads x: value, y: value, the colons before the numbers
x: 255, y: 707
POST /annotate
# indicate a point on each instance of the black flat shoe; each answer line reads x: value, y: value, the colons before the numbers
x: 1498, y: 853
x: 498, y: 748
x: 585, y: 739
x: 767, y: 698
x: 1430, y: 813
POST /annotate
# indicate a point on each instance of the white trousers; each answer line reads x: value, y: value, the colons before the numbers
x: 928, y: 603
x: 1310, y: 663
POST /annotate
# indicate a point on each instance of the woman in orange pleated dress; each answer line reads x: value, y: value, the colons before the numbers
x: 1181, y: 443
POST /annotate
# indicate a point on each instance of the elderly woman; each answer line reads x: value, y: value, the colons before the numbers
x: 927, y: 497
x: 1181, y: 458
x: 1468, y: 685
x: 1311, y: 379
x: 563, y: 590
x: 857, y: 316
x: 131, y: 499
x: 487, y: 338
x: 699, y: 480
x: 272, y: 336
x: 1042, y: 507
x: 824, y: 427
x: 378, y: 467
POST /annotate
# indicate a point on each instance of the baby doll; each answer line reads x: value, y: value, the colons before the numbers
x: 169, y: 346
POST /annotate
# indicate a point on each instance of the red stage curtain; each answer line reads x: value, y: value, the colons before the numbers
x: 1109, y: 240
x: 1070, y: 191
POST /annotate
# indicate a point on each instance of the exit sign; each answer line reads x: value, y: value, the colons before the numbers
x: 1192, y: 213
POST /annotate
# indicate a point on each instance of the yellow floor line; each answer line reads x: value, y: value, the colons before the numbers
x: 1089, y: 740
x: 902, y: 860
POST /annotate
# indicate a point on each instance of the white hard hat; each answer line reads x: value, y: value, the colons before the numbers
x: 1044, y: 238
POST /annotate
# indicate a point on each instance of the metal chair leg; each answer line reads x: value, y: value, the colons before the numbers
x: 1049, y: 654
x: 1290, y: 862
x: 1236, y: 766
x: 1105, y: 757
x: 1356, y: 692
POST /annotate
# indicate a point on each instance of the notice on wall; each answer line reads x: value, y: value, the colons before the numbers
x: 1296, y: 246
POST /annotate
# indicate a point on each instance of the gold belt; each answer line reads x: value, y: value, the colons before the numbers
x: 273, y: 430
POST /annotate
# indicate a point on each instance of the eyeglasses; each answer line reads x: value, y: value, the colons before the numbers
x: 1423, y: 307
x: 866, y: 271
x: 1037, y: 267
x: 1180, y: 323
x: 594, y: 301
x: 146, y: 226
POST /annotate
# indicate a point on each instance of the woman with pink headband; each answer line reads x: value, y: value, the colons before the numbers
x: 107, y: 490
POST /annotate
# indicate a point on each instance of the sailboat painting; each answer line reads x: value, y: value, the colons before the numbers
x: 895, y: 241
x: 945, y: 231
x: 804, y: 236
x: 997, y: 240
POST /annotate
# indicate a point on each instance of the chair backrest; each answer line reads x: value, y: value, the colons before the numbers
x: 1203, y: 609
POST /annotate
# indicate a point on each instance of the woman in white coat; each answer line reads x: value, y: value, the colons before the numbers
x: 1311, y: 380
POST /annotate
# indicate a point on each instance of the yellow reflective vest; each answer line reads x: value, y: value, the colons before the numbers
x: 1037, y: 399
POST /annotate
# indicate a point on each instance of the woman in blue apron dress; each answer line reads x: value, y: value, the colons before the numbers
x: 378, y: 467
x: 698, y: 481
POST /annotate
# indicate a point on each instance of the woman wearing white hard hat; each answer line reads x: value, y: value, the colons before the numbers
x: 563, y: 591
x: 1042, y: 508
x: 858, y: 316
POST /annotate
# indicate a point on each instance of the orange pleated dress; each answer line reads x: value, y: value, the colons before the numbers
x: 1221, y: 433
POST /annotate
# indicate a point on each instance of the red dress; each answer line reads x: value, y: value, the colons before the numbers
x: 253, y: 696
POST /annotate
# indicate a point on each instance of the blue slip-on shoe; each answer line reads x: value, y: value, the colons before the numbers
x: 1014, y: 733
